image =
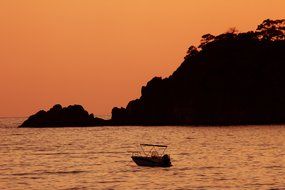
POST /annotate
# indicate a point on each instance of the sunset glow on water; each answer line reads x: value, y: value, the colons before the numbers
x: 100, y: 158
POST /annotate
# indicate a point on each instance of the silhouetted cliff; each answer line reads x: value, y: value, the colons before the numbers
x: 58, y: 116
x: 232, y: 78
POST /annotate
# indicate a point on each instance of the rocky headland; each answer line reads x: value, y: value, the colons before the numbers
x: 230, y: 79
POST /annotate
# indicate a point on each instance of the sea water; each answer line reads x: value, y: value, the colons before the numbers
x: 240, y: 157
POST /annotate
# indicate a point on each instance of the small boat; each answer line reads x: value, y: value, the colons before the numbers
x: 152, y: 157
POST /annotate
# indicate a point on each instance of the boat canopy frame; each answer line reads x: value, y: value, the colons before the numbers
x: 158, y: 145
x: 153, y: 149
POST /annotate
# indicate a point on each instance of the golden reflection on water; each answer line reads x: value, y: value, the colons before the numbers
x: 99, y: 158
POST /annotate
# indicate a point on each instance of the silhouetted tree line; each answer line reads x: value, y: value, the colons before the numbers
x: 232, y: 78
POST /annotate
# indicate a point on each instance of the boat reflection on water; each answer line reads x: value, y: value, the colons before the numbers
x: 152, y: 157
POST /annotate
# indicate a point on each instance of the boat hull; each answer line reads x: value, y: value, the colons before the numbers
x: 151, y: 161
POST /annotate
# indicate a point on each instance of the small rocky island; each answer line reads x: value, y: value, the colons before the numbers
x: 58, y: 116
x: 230, y: 79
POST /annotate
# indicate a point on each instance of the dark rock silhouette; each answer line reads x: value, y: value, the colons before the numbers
x: 230, y: 79
x: 58, y: 116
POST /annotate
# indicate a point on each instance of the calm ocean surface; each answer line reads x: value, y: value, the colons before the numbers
x: 99, y: 158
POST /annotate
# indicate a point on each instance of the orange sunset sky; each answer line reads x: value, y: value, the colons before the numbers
x: 98, y: 53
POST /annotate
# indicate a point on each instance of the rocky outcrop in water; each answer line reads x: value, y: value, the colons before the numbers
x: 58, y: 116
